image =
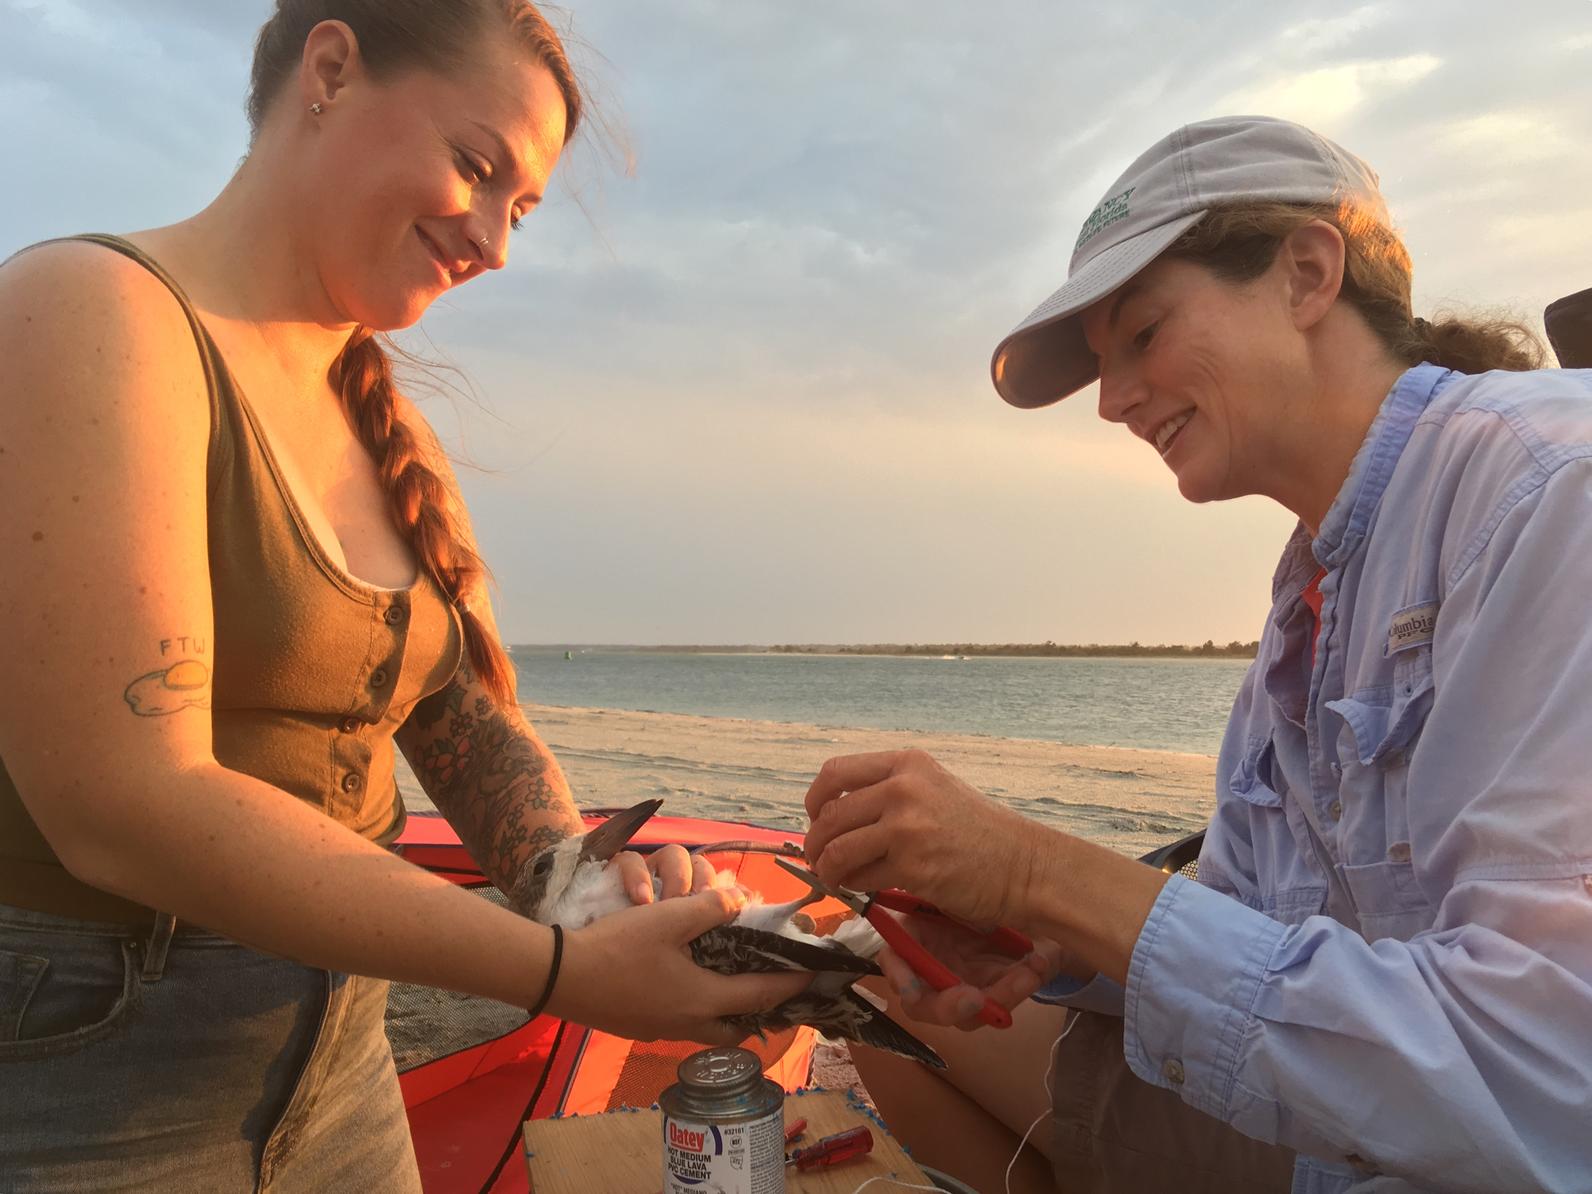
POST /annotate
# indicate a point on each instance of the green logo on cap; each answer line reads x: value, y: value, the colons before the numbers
x: 1109, y: 212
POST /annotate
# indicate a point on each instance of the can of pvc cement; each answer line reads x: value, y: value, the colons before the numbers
x: 723, y: 1126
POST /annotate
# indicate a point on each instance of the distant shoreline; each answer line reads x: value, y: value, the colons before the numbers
x: 1207, y: 650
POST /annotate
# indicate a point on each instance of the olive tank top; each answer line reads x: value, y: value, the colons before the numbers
x: 312, y: 669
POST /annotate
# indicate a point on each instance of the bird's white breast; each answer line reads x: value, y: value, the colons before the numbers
x: 597, y: 890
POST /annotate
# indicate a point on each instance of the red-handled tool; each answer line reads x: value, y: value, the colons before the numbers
x: 873, y: 905
x: 1009, y: 941
x: 833, y: 1150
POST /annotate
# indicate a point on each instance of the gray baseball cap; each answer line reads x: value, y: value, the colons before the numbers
x: 1167, y: 190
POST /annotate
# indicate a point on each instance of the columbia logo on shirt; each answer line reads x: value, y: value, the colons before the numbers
x: 1411, y: 627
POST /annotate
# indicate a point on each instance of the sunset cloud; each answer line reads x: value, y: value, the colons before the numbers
x: 768, y: 350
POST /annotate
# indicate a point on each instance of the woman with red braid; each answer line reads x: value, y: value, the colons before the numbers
x: 236, y: 571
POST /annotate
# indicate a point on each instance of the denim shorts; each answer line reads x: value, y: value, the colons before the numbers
x: 139, y: 1060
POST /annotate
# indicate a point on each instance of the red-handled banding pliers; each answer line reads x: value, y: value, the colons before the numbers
x: 872, y: 906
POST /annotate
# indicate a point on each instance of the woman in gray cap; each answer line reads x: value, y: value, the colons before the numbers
x: 1381, y: 977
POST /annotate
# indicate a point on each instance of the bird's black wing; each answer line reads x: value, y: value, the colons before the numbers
x: 737, y: 949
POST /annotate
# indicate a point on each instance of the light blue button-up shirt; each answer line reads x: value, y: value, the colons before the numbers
x: 1386, y: 963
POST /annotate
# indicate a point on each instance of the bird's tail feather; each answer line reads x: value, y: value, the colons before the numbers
x: 881, y: 1032
x: 844, y: 1015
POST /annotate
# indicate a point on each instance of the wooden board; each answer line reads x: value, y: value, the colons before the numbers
x: 622, y: 1152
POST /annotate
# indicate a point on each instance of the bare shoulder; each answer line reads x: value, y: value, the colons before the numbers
x: 71, y: 298
x: 102, y: 367
x: 67, y: 273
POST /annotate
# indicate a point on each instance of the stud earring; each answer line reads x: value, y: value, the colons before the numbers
x: 316, y: 109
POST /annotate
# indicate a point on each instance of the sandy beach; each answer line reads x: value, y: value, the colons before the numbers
x: 758, y: 771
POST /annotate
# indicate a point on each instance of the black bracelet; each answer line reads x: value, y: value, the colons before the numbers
x: 552, y: 971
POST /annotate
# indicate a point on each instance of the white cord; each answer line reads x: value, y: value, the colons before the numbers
x: 1021, y: 1144
x: 1050, y: 1095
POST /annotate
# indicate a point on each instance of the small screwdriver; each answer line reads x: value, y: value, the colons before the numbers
x: 833, y: 1150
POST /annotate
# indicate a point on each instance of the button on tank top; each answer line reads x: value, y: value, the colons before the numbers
x: 313, y: 670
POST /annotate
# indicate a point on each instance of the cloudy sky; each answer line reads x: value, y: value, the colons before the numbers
x: 742, y: 395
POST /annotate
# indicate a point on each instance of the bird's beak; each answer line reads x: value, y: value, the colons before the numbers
x: 610, y: 837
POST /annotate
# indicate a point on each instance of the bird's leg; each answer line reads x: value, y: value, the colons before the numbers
x: 787, y: 913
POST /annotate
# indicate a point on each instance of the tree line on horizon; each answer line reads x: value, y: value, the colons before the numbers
x: 1209, y: 648
x: 1206, y: 650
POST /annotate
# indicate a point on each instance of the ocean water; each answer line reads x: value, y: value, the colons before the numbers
x: 1158, y: 704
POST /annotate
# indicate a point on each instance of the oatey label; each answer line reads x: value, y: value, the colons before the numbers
x: 746, y: 1157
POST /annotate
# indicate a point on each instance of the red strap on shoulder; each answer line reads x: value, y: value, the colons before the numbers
x: 1312, y: 598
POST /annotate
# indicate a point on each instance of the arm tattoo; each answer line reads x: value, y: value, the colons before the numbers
x: 494, y: 780
x: 183, y: 684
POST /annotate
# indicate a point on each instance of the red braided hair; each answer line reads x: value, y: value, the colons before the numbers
x: 419, y: 500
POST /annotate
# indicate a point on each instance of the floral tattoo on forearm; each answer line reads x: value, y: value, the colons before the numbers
x: 492, y: 777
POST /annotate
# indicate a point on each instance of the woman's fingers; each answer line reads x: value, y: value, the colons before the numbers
x: 678, y: 871
x: 674, y: 869
x: 727, y: 995
x: 874, y: 875
x: 635, y: 875
x: 961, y: 1006
x: 864, y: 806
x: 631, y: 974
x: 1017, y: 984
x: 946, y: 841
x: 1048, y: 960
x: 688, y: 918
x: 909, y: 988
x: 703, y: 873
x: 854, y: 859
x: 849, y: 773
